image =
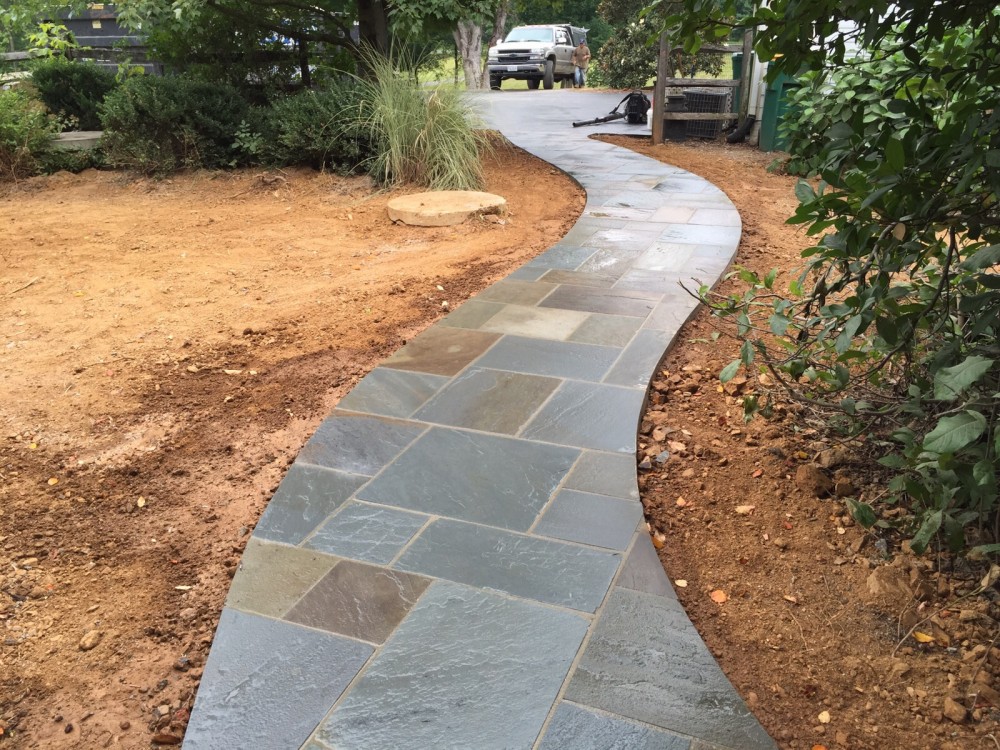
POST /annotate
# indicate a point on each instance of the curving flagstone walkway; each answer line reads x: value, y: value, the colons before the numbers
x: 457, y: 558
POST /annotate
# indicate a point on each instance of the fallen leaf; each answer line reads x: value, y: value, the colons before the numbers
x: 659, y: 540
x: 53, y: 481
x: 719, y: 596
x: 787, y: 525
x: 791, y: 599
x: 758, y: 474
x: 233, y: 372
x: 141, y: 502
x: 745, y: 510
x: 681, y: 502
x: 922, y: 637
x: 819, y: 747
x: 681, y: 583
x: 182, y: 588
x: 824, y: 717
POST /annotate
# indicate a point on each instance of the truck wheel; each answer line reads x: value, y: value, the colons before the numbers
x: 532, y: 83
x: 495, y: 82
x: 549, y: 74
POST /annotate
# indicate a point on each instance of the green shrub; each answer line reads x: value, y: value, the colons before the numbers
x: 26, y: 130
x: 73, y: 91
x: 317, y: 128
x: 70, y: 160
x: 157, y: 125
x: 422, y: 137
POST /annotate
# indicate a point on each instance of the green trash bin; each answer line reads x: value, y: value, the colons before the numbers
x: 775, y: 107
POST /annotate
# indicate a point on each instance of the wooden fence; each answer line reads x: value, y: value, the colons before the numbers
x: 665, y: 80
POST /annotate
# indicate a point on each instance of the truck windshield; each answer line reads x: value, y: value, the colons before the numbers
x: 529, y: 35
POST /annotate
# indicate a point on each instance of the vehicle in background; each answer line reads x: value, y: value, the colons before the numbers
x: 541, y: 54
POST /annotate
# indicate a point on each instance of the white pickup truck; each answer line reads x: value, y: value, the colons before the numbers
x: 536, y: 54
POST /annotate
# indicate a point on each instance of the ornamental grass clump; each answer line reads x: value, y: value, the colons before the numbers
x: 425, y: 137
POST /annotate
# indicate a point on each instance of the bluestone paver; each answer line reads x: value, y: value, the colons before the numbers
x: 268, y: 683
x: 579, y: 729
x: 527, y: 566
x: 457, y: 558
x: 467, y: 669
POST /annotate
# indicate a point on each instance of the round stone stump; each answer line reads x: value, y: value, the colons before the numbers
x: 443, y: 208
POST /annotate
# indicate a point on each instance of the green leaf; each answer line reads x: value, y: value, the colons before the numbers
x: 863, y: 513
x: 769, y: 279
x: 954, y: 433
x: 729, y: 371
x: 779, y: 324
x: 926, y: 532
x: 988, y: 256
x: 746, y: 353
x: 895, y: 155
x: 949, y: 382
x: 893, y: 461
x: 804, y: 192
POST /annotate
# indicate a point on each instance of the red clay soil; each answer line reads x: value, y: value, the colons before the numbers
x: 166, y: 347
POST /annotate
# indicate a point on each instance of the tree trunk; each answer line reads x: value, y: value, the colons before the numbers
x: 469, y: 40
x: 304, y: 64
x: 499, y: 26
x: 373, y: 25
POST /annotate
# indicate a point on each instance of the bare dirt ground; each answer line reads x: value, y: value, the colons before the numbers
x: 836, y: 638
x: 166, y: 347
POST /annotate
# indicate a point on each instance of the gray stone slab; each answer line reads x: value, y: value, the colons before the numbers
x: 442, y: 350
x: 392, y: 393
x: 269, y: 679
x: 590, y: 519
x: 613, y: 261
x: 373, y: 533
x: 527, y: 273
x: 483, y: 478
x: 555, y: 358
x: 607, y: 301
x: 566, y: 257
x: 530, y: 567
x: 672, y: 313
x: 472, y: 314
x: 490, y: 400
x: 602, y: 417
x: 606, y: 330
x: 643, y: 570
x: 272, y: 577
x: 574, y: 728
x: 580, y: 278
x: 466, y: 669
x: 666, y: 256
x: 517, y: 292
x: 357, y: 443
x: 539, y: 322
x: 305, y: 497
x: 600, y: 473
x: 359, y: 600
x: 661, y: 282
x: 645, y: 661
x: 696, y: 234
x: 726, y: 217
x: 638, y: 362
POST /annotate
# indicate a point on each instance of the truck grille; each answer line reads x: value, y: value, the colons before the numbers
x: 514, y: 56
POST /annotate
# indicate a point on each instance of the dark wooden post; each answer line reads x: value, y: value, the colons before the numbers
x: 660, y: 88
x: 747, y: 75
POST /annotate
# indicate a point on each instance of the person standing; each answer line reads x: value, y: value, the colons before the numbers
x: 580, y: 60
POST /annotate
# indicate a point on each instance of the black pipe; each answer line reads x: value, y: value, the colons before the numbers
x: 740, y: 134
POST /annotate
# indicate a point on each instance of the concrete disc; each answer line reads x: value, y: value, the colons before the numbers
x: 443, y: 208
